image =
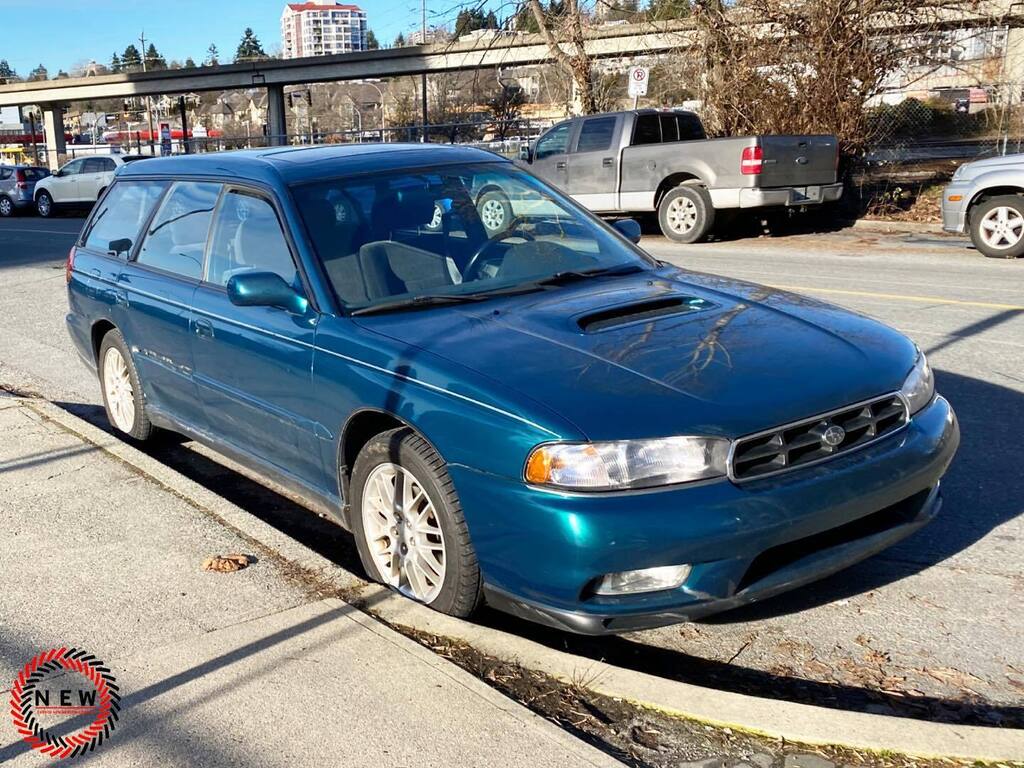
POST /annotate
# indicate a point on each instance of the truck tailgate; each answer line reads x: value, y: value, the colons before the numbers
x: 797, y: 161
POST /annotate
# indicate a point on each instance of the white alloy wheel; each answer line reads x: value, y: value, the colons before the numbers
x: 403, y: 533
x: 492, y: 214
x: 117, y: 387
x: 1002, y: 228
x: 6, y: 206
x: 44, y: 205
x: 681, y: 215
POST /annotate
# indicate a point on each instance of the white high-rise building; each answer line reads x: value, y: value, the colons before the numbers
x: 322, y: 28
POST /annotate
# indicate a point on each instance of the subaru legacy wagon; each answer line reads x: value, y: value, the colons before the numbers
x: 538, y: 415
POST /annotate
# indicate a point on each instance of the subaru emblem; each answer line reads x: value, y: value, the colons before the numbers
x: 833, y: 436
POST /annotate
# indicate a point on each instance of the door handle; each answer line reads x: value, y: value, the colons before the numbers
x: 204, y: 328
x: 560, y: 165
x: 607, y: 162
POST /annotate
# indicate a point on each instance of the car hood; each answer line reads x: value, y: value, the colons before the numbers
x: 978, y: 167
x: 730, y: 359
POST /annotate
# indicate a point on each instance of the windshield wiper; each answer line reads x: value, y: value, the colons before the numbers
x: 419, y: 301
x: 569, y: 276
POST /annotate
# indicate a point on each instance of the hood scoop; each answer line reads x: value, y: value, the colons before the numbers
x: 637, y: 312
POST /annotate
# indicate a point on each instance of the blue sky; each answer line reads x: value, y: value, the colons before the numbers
x: 63, y: 33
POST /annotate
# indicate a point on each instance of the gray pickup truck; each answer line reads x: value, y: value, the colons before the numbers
x: 649, y: 160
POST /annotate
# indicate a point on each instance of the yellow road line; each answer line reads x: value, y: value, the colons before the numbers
x: 900, y: 297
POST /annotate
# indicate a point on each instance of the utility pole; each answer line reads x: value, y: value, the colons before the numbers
x: 149, y: 102
x: 423, y: 77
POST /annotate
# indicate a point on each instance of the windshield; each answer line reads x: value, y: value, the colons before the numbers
x: 450, y: 233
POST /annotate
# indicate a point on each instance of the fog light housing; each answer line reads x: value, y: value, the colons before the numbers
x: 645, y: 580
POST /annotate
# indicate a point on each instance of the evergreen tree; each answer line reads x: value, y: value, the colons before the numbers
x: 399, y: 41
x: 249, y: 48
x: 371, y: 41
x: 212, y: 56
x: 39, y: 73
x: 153, y: 58
x: 6, y: 71
x: 131, y: 59
x: 115, y: 63
x: 189, y: 63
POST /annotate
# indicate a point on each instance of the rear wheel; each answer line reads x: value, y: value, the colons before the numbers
x: 495, y: 211
x: 685, y: 213
x: 6, y: 206
x: 997, y: 227
x: 122, y: 391
x: 44, y: 205
x: 408, y: 524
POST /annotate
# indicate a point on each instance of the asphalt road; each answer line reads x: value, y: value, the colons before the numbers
x: 933, y: 626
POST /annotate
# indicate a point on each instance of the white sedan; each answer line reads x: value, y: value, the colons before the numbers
x: 78, y: 183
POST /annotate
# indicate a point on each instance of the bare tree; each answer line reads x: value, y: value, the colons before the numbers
x: 567, y: 27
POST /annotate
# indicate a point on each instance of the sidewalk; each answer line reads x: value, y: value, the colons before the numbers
x: 220, y: 669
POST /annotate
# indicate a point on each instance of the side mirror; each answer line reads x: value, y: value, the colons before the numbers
x: 57, y: 174
x: 629, y: 229
x: 265, y: 289
x: 117, y: 247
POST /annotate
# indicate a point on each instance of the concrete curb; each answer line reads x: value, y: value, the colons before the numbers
x: 791, y: 721
x: 915, y: 227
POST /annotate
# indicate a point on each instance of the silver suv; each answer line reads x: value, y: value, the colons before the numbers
x: 17, y: 187
x: 986, y: 200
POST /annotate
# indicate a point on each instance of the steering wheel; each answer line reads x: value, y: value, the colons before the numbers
x: 473, y: 265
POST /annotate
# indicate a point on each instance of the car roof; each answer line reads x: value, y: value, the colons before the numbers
x: 298, y: 164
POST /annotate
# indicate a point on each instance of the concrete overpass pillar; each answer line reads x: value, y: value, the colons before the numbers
x: 277, y: 126
x: 53, y: 127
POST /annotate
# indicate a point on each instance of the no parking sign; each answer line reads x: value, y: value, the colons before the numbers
x: 638, y: 81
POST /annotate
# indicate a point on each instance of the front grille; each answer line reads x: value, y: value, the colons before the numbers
x: 804, y: 442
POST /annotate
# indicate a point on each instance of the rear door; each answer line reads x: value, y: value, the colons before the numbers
x: 593, y: 163
x: 96, y: 175
x: 551, y: 155
x: 797, y: 161
x: 253, y: 365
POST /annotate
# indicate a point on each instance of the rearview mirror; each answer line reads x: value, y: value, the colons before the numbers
x: 265, y: 289
x: 629, y: 229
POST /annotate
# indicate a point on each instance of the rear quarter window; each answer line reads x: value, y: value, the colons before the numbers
x: 121, y: 214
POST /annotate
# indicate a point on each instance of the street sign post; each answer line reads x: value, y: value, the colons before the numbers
x: 638, y: 77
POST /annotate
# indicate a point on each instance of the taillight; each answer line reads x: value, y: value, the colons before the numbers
x: 69, y: 267
x: 752, y: 160
x: 19, y: 177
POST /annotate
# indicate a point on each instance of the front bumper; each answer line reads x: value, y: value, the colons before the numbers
x: 954, y: 212
x: 541, y: 551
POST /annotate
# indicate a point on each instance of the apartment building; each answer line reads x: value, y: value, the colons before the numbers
x: 322, y: 28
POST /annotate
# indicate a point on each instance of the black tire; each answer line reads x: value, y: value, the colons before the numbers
x: 6, y: 206
x: 44, y: 205
x: 697, y: 221
x: 1013, y: 203
x: 142, y: 428
x: 488, y: 206
x: 460, y: 593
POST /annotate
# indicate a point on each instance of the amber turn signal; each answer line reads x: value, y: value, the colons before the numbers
x: 955, y: 198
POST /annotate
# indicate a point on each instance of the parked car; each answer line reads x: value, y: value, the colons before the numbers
x: 986, y: 200
x: 17, y: 183
x: 78, y: 183
x: 661, y: 161
x: 544, y: 418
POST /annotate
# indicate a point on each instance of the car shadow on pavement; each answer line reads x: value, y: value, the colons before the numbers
x: 983, y: 490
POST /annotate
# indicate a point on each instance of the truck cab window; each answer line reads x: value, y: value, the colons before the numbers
x: 647, y: 130
x: 596, y: 134
x: 554, y: 142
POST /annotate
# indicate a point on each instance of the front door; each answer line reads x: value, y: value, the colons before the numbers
x: 551, y: 155
x: 593, y: 164
x: 253, y: 365
x: 64, y: 185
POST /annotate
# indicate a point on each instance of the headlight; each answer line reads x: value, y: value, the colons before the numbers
x: 627, y: 463
x: 919, y: 387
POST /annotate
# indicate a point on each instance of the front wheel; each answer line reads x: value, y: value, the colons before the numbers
x: 495, y: 211
x: 686, y: 214
x: 44, y: 205
x: 997, y: 227
x: 408, y: 524
x: 6, y: 206
x: 122, y: 391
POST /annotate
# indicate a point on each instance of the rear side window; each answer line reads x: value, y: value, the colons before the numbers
x: 94, y: 165
x: 121, y: 215
x: 176, y: 240
x: 647, y: 130
x: 35, y: 174
x: 248, y: 238
x: 596, y: 134
x: 690, y: 127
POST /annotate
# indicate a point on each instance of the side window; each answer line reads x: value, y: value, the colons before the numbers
x: 690, y: 127
x: 93, y: 165
x: 669, y: 128
x: 596, y: 134
x: 121, y: 215
x: 248, y: 238
x: 107, y: 165
x: 5, y: 173
x: 75, y: 166
x: 176, y: 240
x: 554, y: 142
x: 647, y: 130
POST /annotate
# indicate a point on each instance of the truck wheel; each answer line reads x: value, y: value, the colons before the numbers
x: 495, y: 211
x: 686, y: 214
x: 997, y: 227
